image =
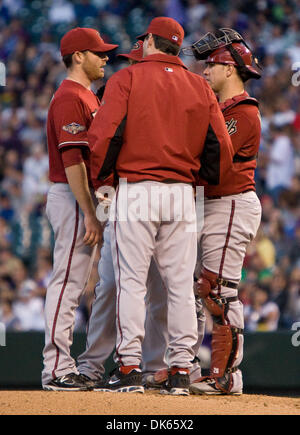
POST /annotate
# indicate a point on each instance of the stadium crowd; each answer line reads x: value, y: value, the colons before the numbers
x: 29, y: 48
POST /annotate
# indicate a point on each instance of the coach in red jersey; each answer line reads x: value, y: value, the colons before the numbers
x: 171, y: 130
x: 70, y: 202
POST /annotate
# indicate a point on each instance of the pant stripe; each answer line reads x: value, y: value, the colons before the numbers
x: 119, y: 283
x: 63, y: 289
x: 226, y: 241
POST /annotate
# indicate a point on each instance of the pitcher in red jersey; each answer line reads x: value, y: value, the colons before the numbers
x: 71, y: 202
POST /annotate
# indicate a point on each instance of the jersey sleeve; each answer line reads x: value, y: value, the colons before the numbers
x: 243, y: 125
x: 71, y: 156
x: 70, y: 123
x: 106, y: 132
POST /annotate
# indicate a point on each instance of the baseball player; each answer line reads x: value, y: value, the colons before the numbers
x: 232, y: 211
x: 232, y: 214
x: 70, y: 203
x: 135, y: 55
x: 161, y: 144
x: 101, y: 331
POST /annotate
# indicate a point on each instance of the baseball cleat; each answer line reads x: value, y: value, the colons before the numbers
x: 70, y: 382
x: 157, y: 381
x: 214, y: 386
x: 95, y: 384
x: 124, y: 383
x: 177, y: 384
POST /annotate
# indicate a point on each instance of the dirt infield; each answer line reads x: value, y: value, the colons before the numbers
x: 150, y: 403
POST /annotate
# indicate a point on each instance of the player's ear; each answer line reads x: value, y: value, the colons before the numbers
x: 229, y: 70
x: 78, y: 57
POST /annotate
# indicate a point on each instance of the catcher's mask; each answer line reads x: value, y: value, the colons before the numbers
x: 225, y: 46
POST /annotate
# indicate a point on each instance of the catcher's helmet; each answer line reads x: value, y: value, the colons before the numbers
x: 225, y: 46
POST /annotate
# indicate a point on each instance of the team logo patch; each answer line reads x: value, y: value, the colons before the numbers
x: 136, y: 46
x: 231, y: 126
x: 73, y: 128
x: 175, y: 38
x: 168, y: 69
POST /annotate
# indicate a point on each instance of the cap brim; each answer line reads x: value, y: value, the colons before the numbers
x: 107, y: 47
x: 129, y: 56
x: 255, y: 73
x: 142, y: 37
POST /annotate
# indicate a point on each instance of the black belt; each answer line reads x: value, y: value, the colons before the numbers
x: 224, y: 300
x: 219, y: 197
x: 223, y: 282
x: 228, y: 300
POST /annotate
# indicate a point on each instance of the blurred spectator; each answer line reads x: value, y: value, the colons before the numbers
x: 262, y: 314
x: 8, y: 317
x: 9, y: 263
x: 265, y: 254
x: 294, y: 246
x: 61, y: 11
x: 85, y: 10
x: 6, y: 208
x: 280, y: 168
x: 35, y: 171
x: 28, y: 306
x: 291, y: 313
x: 4, y: 13
x: 33, y: 130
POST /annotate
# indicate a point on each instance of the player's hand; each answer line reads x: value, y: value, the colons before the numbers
x: 203, y: 288
x: 93, y: 234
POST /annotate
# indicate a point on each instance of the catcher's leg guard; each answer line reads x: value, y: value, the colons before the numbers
x: 225, y: 343
x: 227, y: 349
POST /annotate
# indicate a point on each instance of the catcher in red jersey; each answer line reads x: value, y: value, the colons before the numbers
x: 232, y: 214
x: 232, y: 211
x: 71, y: 202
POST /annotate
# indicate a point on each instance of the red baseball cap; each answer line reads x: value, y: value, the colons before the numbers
x: 167, y: 28
x: 82, y: 38
x: 136, y: 52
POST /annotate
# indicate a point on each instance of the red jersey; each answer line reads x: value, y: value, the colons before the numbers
x: 243, y: 123
x: 168, y: 122
x: 70, y: 115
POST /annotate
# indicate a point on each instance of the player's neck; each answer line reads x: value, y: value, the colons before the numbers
x: 230, y: 90
x: 153, y: 50
x: 79, y: 77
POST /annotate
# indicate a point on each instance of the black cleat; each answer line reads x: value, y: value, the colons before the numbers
x: 124, y: 383
x: 94, y: 384
x: 70, y: 382
x: 177, y: 384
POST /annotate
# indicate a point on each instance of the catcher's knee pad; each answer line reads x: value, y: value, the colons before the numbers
x: 225, y: 346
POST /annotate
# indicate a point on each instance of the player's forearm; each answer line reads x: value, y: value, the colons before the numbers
x: 78, y: 181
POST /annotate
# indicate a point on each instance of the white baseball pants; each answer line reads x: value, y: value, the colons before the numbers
x: 70, y: 273
x: 147, y: 228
